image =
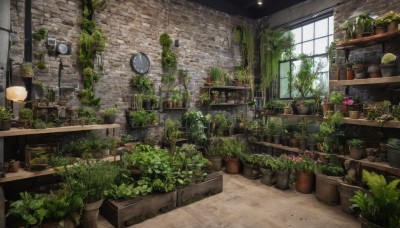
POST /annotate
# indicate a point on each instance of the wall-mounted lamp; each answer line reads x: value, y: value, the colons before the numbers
x: 259, y: 2
x: 16, y: 94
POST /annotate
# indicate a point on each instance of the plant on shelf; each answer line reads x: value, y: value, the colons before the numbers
x: 26, y: 114
x: 143, y: 118
x: 38, y: 124
x: 330, y: 132
x: 392, y: 19
x: 380, y: 207
x: 380, y: 25
x: 306, y: 77
x: 388, y: 65
x: 336, y: 99
x: 87, y: 114
x: 356, y: 148
x: 196, y: 122
x: 214, y: 96
x: 273, y: 44
x: 110, y: 114
x: 205, y: 98
x: 219, y: 123
x: 349, y: 29
x: 240, y: 75
x: 59, y: 161
x: 216, y: 75
x: 365, y: 24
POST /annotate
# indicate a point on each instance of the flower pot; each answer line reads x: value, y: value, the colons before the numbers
x: 350, y: 74
x: 388, y: 70
x: 303, y: 110
x: 393, y: 157
x: 374, y: 71
x: 285, y: 140
x: 367, y: 224
x: 354, y: 114
x: 287, y: 111
x: 250, y: 171
x: 216, y: 163
x: 347, y: 192
x: 282, y: 179
x: 277, y: 139
x: 327, y: 189
x: 304, y: 182
x: 359, y: 71
x: 393, y: 26
x: 14, y: 167
x: 294, y: 142
x: 91, y: 214
x: 356, y: 153
x: 268, y: 177
x: 110, y: 119
x: 5, y: 125
x: 269, y: 139
x: 232, y: 165
x: 380, y: 29
x: 326, y: 108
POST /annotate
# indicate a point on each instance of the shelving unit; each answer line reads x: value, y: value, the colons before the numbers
x: 368, y: 41
x: 367, y: 81
x: 292, y: 116
x: 371, y: 123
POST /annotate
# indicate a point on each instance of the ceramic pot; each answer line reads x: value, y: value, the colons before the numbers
x: 347, y: 192
x: 14, y: 167
x: 393, y: 26
x: 327, y: 189
x: 232, y: 165
x: 350, y: 74
x: 303, y: 110
x: 380, y: 29
x: 110, y: 119
x: 374, y: 71
x: 5, y: 125
x: 287, y: 111
x: 359, y: 71
x: 304, y: 182
x: 282, y: 179
x: 388, y: 70
x: 393, y: 157
x: 268, y: 177
x: 91, y: 214
x: 216, y: 163
x: 354, y: 114
x: 356, y: 153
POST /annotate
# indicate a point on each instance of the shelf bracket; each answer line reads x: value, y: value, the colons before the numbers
x: 347, y: 54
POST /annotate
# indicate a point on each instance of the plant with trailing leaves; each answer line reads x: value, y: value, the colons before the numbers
x: 381, y: 205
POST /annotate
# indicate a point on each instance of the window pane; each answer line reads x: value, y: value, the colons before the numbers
x: 321, y: 28
x: 331, y: 25
x: 284, y: 69
x: 296, y: 66
x: 320, y: 45
x: 283, y: 88
x: 297, y: 35
x: 308, y: 48
x: 330, y: 39
x: 308, y: 32
x: 297, y: 49
x: 323, y: 81
x: 321, y: 63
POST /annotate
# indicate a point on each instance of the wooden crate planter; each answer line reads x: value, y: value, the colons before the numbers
x: 210, y: 186
x: 122, y: 213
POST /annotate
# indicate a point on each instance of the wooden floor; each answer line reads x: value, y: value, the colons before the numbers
x: 248, y: 203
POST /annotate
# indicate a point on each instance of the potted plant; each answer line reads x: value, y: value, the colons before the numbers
x: 213, y: 152
x: 349, y: 71
x: 305, y: 174
x: 388, y: 65
x: 14, y: 166
x: 89, y: 181
x: 267, y: 167
x: 139, y: 118
x: 251, y: 165
x: 110, y: 115
x: 380, y: 207
x: 364, y: 24
x: 214, y: 96
x: 284, y: 165
x: 380, y: 25
x: 356, y: 148
x: 5, y: 117
x: 393, y: 152
x: 276, y: 132
x: 374, y: 71
x: 270, y: 108
x: 216, y: 75
x: 392, y: 19
x: 327, y: 181
x: 232, y: 149
x: 25, y: 117
x: 348, y: 186
x: 348, y: 28
x: 359, y: 69
x: 312, y: 141
x: 27, y: 70
x: 336, y: 99
x: 287, y: 110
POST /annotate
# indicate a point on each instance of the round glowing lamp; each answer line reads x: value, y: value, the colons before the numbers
x: 16, y: 93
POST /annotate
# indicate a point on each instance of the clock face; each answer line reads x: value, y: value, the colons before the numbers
x: 140, y: 63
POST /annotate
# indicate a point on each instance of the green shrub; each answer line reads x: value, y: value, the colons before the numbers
x: 356, y: 143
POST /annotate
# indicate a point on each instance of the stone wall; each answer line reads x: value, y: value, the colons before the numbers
x: 131, y: 26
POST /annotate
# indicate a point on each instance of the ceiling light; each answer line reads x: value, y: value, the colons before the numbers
x: 260, y: 2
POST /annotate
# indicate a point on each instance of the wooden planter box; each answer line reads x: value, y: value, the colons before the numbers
x: 122, y: 213
x: 210, y: 186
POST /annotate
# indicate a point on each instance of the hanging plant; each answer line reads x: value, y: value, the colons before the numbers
x: 168, y: 58
x: 273, y: 44
x: 91, y: 42
x: 40, y: 35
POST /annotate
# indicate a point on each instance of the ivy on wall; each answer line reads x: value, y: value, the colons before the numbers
x: 91, y: 42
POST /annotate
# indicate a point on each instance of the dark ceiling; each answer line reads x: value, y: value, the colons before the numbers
x: 248, y: 8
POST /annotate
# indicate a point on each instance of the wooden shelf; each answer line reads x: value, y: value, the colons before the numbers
x: 227, y: 104
x: 381, y: 166
x: 292, y: 116
x: 24, y: 174
x: 18, y: 132
x: 371, y: 123
x: 143, y: 127
x: 369, y: 40
x: 367, y: 81
x: 171, y: 109
x: 227, y: 87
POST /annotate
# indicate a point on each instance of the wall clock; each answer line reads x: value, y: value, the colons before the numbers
x: 140, y: 63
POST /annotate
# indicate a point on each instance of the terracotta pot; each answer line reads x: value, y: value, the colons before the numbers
x: 347, y: 192
x: 380, y: 30
x: 354, y: 114
x: 282, y: 179
x: 232, y: 165
x: 393, y: 26
x: 359, y: 71
x: 356, y: 153
x: 393, y: 157
x: 327, y: 189
x: 374, y: 71
x: 388, y: 70
x: 91, y: 214
x: 287, y: 111
x: 216, y: 163
x: 268, y: 177
x: 294, y: 142
x: 14, y: 167
x: 304, y: 182
x: 350, y: 74
x: 326, y: 108
x: 5, y: 125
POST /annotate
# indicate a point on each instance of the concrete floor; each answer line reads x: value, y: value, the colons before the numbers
x: 248, y: 203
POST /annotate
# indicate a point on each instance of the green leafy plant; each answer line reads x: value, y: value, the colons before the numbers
x: 388, y: 58
x: 380, y: 22
x: 110, y: 111
x: 5, y: 114
x: 26, y: 114
x: 168, y: 58
x: 57, y: 161
x: 244, y: 35
x: 128, y: 191
x: 305, y: 164
x: 142, y: 83
x: 391, y: 16
x: 40, y: 34
x: 306, y: 76
x: 356, y: 143
x: 39, y: 124
x: 172, y: 131
x: 365, y: 22
x: 216, y: 74
x: 232, y: 147
x: 332, y: 168
x: 196, y: 122
x: 381, y: 205
x: 336, y: 98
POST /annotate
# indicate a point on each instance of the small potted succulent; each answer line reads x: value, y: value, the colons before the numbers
x: 356, y: 148
x: 5, y: 118
x: 388, y: 65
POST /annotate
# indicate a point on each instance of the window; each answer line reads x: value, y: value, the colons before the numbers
x: 310, y: 39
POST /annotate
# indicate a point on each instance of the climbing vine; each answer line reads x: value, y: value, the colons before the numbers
x: 91, y: 42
